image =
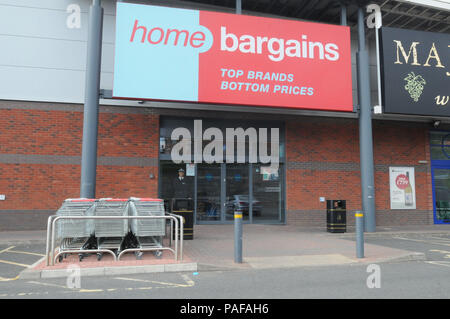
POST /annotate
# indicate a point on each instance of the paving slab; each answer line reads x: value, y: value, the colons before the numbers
x: 264, y: 246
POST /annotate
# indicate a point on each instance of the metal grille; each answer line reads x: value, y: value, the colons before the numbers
x: 69, y: 228
x: 147, y: 207
x: 111, y: 228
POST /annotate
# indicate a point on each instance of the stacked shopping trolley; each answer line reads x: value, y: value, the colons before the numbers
x: 76, y: 234
x: 148, y: 233
x: 110, y: 233
x: 114, y: 235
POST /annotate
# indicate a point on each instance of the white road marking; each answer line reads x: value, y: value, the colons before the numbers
x: 439, y: 263
x: 424, y: 241
x: 189, y: 282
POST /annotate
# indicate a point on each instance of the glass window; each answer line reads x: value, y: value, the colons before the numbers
x: 266, y: 193
x: 442, y: 194
x: 208, y: 192
x: 440, y: 145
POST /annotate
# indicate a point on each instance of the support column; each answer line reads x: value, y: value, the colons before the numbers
x: 343, y: 14
x: 238, y: 6
x: 91, y: 101
x: 365, y: 129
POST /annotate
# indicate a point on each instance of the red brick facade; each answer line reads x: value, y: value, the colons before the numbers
x: 323, y: 161
x: 40, y: 155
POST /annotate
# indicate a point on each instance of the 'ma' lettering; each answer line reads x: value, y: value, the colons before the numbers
x: 432, y: 55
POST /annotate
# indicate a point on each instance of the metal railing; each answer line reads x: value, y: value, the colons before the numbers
x: 50, y: 243
x: 181, y: 223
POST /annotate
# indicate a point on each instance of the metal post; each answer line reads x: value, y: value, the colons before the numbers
x: 238, y: 236
x: 365, y: 128
x: 91, y: 101
x: 238, y: 213
x: 359, y: 223
x: 343, y: 14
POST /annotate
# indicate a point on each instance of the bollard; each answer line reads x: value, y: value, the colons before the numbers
x: 238, y: 236
x: 359, y: 223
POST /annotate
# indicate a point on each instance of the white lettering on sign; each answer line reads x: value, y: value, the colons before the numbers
x: 278, y: 48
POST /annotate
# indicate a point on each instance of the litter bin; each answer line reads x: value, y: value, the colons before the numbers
x: 184, y: 207
x: 336, y: 216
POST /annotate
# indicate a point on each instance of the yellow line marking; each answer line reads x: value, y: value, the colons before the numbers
x: 153, y: 282
x: 6, y: 249
x: 13, y: 263
x: 440, y: 251
x: 9, y: 279
x: 359, y: 215
x: 25, y: 252
x: 145, y: 288
x: 90, y: 290
x: 47, y: 284
x: 188, y: 280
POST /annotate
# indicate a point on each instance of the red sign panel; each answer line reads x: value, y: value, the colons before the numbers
x: 209, y: 57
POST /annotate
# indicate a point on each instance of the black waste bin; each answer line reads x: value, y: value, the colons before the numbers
x: 336, y: 216
x: 184, y: 207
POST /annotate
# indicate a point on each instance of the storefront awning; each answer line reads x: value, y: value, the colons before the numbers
x: 424, y: 15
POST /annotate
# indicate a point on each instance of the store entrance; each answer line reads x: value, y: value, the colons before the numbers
x: 440, y: 172
x: 224, y: 188
x: 220, y: 189
x: 227, y: 165
x: 441, y: 191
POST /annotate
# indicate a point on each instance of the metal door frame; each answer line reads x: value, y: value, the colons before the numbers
x: 223, y: 197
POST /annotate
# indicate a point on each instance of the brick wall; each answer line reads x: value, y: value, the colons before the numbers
x: 40, y: 156
x: 323, y: 161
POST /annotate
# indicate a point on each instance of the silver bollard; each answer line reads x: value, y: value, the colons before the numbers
x: 238, y: 236
x: 359, y: 223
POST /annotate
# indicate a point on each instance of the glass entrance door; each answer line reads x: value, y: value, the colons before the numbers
x: 441, y: 185
x: 237, y: 191
x: 209, y: 190
x: 266, y: 193
x: 223, y: 188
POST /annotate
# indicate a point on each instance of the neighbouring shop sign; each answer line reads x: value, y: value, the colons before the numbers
x: 416, y: 72
x: 402, y: 187
x: 175, y: 54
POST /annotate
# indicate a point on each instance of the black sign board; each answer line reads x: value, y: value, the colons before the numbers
x: 415, y: 69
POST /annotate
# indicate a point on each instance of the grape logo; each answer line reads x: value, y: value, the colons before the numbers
x: 414, y: 85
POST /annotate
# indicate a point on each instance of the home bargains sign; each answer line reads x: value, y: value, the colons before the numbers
x: 208, y: 57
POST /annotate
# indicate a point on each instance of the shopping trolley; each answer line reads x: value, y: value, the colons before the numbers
x: 111, y: 233
x: 76, y: 234
x: 147, y: 233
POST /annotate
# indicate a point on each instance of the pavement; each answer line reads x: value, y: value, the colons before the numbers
x: 264, y: 247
